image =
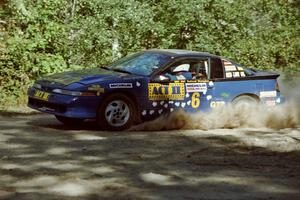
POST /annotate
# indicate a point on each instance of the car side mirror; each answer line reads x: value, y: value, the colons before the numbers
x: 161, y: 79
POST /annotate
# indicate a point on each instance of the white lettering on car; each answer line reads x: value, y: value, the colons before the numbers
x: 267, y: 94
x: 120, y: 85
x: 196, y: 87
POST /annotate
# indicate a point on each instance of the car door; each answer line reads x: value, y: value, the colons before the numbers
x: 197, y: 88
x: 221, y: 88
x: 182, y: 85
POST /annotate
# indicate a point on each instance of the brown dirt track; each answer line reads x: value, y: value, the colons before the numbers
x: 42, y: 159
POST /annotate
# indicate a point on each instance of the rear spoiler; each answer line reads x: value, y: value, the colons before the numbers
x: 252, y: 74
x: 261, y: 74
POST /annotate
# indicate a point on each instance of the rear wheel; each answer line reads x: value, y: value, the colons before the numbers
x: 117, y: 112
x: 245, y: 100
x: 69, y: 121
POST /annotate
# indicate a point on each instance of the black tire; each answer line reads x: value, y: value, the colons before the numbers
x: 245, y: 100
x: 69, y: 121
x: 112, y: 108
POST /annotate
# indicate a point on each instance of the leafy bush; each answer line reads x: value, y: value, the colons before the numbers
x: 40, y: 37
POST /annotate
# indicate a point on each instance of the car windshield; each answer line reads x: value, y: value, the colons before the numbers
x: 140, y: 63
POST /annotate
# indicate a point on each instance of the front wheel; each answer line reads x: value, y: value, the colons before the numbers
x: 117, y: 112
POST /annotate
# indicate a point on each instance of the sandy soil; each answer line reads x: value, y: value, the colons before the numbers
x: 42, y: 159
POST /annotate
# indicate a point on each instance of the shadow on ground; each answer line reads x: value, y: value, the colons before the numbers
x: 42, y: 159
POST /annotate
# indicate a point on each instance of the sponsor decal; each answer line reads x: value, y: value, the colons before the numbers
x: 226, y: 62
x: 196, y: 81
x: 236, y: 74
x: 240, y: 68
x: 228, y: 75
x: 96, y: 88
x: 224, y: 95
x: 179, y: 81
x: 215, y: 104
x: 196, y: 87
x: 230, y: 68
x: 120, y: 85
x: 268, y: 94
x: 172, y: 91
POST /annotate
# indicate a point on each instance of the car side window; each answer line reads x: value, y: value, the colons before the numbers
x: 199, y: 69
x: 216, y: 68
x: 188, y: 70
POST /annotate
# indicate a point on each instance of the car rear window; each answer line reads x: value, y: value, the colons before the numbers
x: 232, y: 70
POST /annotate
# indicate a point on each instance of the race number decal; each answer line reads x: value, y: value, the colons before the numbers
x: 195, y: 102
x: 172, y: 91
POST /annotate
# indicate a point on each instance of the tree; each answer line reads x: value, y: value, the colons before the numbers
x: 40, y: 37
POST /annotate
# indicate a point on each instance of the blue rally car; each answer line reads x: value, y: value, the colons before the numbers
x: 148, y: 84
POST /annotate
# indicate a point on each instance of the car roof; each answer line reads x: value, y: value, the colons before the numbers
x: 181, y: 52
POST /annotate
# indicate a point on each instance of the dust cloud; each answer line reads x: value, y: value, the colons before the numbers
x: 286, y: 115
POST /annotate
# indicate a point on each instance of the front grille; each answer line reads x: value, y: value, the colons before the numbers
x: 46, y: 105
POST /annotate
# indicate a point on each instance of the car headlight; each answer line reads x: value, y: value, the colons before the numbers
x: 37, y: 86
x: 73, y: 93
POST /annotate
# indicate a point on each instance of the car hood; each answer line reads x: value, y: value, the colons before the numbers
x: 87, y: 76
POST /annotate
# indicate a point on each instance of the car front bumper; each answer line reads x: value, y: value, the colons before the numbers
x: 83, y: 107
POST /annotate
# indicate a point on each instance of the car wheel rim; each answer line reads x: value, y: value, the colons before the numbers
x: 117, y: 113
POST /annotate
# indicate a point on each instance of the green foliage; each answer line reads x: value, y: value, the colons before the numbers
x: 40, y: 37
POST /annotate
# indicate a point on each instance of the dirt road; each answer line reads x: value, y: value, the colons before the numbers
x: 42, y: 159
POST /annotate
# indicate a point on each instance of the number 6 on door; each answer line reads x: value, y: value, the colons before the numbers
x: 195, y: 100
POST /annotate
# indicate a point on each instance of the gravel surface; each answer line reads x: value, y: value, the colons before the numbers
x: 43, y: 159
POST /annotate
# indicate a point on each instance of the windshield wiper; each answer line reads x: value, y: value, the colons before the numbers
x: 122, y: 71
